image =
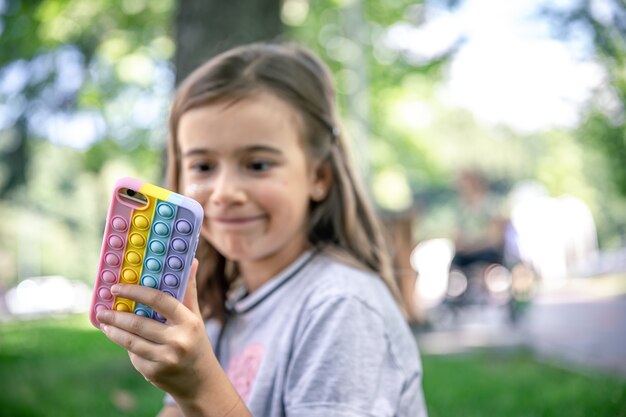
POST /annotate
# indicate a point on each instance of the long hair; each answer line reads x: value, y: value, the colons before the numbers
x: 344, y: 224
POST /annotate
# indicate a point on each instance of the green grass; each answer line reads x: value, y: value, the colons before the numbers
x: 488, y: 383
x: 63, y: 367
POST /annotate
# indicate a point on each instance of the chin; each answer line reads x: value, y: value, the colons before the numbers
x: 236, y: 252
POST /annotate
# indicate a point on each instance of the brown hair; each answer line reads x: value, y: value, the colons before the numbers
x: 342, y: 225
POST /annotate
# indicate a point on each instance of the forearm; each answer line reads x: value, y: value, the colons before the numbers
x: 236, y: 409
x: 219, y: 400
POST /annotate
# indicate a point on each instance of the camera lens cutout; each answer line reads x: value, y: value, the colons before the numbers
x: 133, y: 198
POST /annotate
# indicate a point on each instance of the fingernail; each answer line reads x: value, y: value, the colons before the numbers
x: 104, y: 328
x: 115, y: 289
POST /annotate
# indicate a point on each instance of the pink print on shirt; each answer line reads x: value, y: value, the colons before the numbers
x: 243, y: 368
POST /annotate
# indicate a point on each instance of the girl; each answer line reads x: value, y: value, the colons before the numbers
x: 294, y: 285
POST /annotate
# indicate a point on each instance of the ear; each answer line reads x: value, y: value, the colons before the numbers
x: 322, y: 178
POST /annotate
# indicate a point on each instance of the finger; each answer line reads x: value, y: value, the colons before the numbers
x: 163, y: 303
x: 143, y: 365
x: 146, y: 328
x: 132, y: 343
x: 191, y: 295
x: 151, y: 370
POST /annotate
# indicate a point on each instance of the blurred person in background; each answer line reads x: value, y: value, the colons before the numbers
x: 480, y: 226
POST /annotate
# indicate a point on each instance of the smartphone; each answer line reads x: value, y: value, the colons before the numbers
x: 150, y: 238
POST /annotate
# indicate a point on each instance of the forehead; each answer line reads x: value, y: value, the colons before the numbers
x: 258, y: 118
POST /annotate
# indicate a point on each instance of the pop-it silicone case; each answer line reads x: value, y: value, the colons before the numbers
x: 152, y: 245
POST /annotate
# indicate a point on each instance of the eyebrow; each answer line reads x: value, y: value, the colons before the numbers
x: 193, y: 152
x: 247, y: 149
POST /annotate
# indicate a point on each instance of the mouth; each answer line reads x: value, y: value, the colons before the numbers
x: 236, y: 221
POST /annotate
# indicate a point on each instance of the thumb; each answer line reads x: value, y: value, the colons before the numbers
x: 191, y: 295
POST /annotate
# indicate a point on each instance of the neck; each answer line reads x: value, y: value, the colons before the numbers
x: 257, y: 272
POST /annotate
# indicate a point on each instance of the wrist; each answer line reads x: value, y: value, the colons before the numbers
x: 232, y: 407
x: 215, y: 397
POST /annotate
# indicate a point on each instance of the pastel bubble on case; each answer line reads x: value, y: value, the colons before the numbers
x: 152, y: 245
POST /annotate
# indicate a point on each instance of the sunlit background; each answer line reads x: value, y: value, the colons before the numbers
x: 529, y: 94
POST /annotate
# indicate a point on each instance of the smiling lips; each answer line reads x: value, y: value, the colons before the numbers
x: 236, y: 221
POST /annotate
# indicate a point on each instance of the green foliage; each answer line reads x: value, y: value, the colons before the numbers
x: 610, y: 138
x: 605, y: 153
x: 605, y: 126
x: 351, y: 38
x: 89, y: 74
x: 13, y: 157
x: 57, y: 221
x: 105, y: 61
x: 143, y: 157
x: 20, y: 22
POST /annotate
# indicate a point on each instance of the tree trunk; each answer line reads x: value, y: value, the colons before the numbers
x: 205, y: 28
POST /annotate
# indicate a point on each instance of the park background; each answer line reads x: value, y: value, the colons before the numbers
x: 521, y: 91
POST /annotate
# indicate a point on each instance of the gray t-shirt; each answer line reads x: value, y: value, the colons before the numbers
x: 320, y: 339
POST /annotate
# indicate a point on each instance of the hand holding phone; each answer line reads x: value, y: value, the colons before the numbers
x: 150, y: 239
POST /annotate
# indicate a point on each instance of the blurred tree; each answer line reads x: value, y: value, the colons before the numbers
x: 417, y: 143
x: 13, y: 157
x: 80, y: 71
x: 381, y: 80
x: 605, y: 126
x: 75, y: 72
x: 206, y: 28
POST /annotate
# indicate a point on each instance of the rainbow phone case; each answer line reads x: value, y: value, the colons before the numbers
x: 151, y: 242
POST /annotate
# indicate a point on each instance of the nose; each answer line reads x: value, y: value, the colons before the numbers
x: 226, y: 188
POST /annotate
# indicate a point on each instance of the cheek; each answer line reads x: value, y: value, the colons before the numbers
x: 206, y: 235
x: 204, y: 231
x: 285, y: 201
x: 183, y: 184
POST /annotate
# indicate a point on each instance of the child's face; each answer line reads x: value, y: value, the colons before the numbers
x: 245, y: 163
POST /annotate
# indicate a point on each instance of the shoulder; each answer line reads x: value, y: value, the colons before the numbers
x: 333, y: 278
x: 342, y: 298
x: 351, y: 344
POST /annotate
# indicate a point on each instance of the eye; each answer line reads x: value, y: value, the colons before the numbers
x: 259, y: 165
x: 202, y: 167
